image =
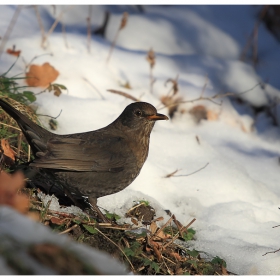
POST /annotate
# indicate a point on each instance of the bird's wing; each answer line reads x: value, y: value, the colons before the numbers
x: 109, y: 154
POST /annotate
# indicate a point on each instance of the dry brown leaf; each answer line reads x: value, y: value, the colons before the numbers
x: 41, y: 75
x: 7, y: 150
x: 13, y: 52
x: 224, y: 271
x: 134, y: 221
x: 57, y: 221
x: 176, y: 256
x: 9, y: 186
x: 151, y: 58
x: 153, y: 227
x: 164, y: 235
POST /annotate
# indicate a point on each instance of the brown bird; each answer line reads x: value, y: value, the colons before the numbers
x: 92, y: 164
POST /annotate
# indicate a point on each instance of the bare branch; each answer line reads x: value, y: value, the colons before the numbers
x: 192, y: 172
x: 10, y: 28
x: 126, y: 95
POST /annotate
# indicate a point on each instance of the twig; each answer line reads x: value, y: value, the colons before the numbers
x: 177, y: 234
x: 192, y: 172
x: 28, y: 153
x: 252, y: 40
x: 151, y: 58
x: 19, y: 144
x: 122, y: 25
x: 89, y: 28
x: 136, y: 206
x: 123, y: 94
x: 10, y: 28
x: 10, y: 126
x: 51, y: 116
x: 204, y: 86
x: 210, y: 98
x: 178, y: 224
x: 53, y: 26
x: 272, y: 252
x: 171, y: 174
x: 163, y: 227
x: 133, y: 269
x: 40, y: 22
x: 64, y: 34
x: 169, y: 260
x: 69, y: 229
x: 86, y: 80
x: 175, y: 85
x: 35, y: 57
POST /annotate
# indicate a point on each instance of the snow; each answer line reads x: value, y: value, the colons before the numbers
x: 19, y: 233
x: 235, y: 198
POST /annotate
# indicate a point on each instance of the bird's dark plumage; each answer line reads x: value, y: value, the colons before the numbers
x: 95, y: 163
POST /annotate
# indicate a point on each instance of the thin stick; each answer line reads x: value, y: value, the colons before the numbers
x: 171, y: 174
x: 122, y: 25
x: 204, y: 86
x: 112, y: 46
x: 69, y: 229
x: 86, y: 80
x: 123, y: 94
x: 272, y: 252
x: 10, y: 28
x: 192, y: 172
x: 19, y: 144
x: 133, y: 269
x: 89, y: 28
x: 177, y: 234
x: 28, y: 154
x: 163, y: 227
x: 210, y: 98
x: 10, y: 126
x: 64, y: 34
x: 40, y: 22
x: 53, y: 26
x: 177, y: 223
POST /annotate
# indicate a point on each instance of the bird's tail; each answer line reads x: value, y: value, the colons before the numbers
x: 35, y: 135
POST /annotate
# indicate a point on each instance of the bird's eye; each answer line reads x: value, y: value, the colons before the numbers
x: 138, y: 113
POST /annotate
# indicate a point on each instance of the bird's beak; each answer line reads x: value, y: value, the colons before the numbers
x: 157, y: 117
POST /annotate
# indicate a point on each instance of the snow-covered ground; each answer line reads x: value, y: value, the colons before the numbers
x: 235, y: 198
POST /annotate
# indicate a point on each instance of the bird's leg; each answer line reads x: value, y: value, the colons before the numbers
x: 93, y: 204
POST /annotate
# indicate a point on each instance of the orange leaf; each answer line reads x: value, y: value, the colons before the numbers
x: 7, y: 150
x: 9, y: 186
x: 41, y: 75
x: 13, y: 52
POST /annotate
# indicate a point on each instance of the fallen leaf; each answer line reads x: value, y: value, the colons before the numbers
x: 41, y: 75
x: 134, y: 221
x: 7, y: 150
x: 13, y: 52
x: 176, y: 256
x: 163, y: 235
x: 9, y: 186
x: 57, y: 221
x: 153, y: 227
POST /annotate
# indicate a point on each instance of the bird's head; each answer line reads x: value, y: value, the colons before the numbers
x: 140, y: 115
